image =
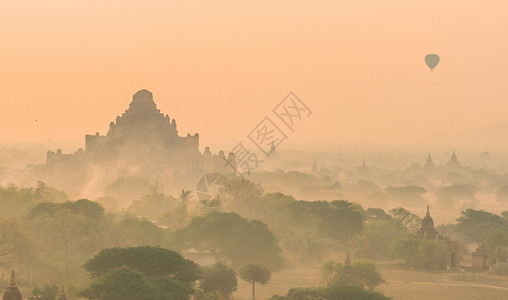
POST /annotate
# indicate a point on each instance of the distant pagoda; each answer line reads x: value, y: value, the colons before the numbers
x: 429, y: 163
x: 314, y: 170
x: 453, y: 161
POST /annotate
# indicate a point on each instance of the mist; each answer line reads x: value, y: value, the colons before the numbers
x: 282, y: 151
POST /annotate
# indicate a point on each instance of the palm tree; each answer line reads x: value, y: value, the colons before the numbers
x: 184, y: 196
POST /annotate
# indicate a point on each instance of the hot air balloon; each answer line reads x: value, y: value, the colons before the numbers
x: 431, y: 60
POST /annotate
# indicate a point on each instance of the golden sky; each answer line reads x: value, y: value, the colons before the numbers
x: 219, y: 67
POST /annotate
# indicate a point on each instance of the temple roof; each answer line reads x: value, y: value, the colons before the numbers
x: 430, y: 162
x: 427, y: 222
x: 453, y: 160
x: 143, y: 101
x: 12, y: 291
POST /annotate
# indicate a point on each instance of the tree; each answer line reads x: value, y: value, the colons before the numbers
x: 367, y: 274
x: 255, y: 273
x: 496, y: 243
x: 244, y: 193
x: 90, y: 209
x: 361, y: 273
x: 232, y: 238
x: 69, y: 226
x: 339, y: 220
x: 140, y: 273
x: 504, y: 214
x: 152, y: 261
x: 184, y: 197
x: 419, y: 252
x: 85, y: 207
x: 474, y: 225
x: 329, y: 293
x: 377, y: 214
x: 431, y: 253
x: 125, y: 283
x: 218, y: 278
x: 179, y: 217
x: 472, y: 217
x: 15, y: 201
x: 377, y: 237
x: 16, y: 243
x: 152, y: 205
x: 337, y: 274
x: 406, y: 248
x: 133, y: 231
x: 44, y: 192
x: 46, y: 292
x: 406, y: 218
x: 499, y: 268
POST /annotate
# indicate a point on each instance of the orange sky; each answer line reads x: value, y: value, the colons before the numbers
x: 219, y: 67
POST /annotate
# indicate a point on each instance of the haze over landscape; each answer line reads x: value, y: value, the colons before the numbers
x: 288, y: 150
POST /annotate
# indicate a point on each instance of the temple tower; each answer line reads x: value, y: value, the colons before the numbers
x: 453, y: 161
x: 12, y: 291
x: 427, y: 229
x: 429, y: 163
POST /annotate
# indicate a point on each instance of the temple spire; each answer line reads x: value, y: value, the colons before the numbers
x: 347, y: 262
x: 12, y: 291
x: 454, y: 162
x: 429, y: 163
x: 428, y: 213
x: 11, y: 279
x: 315, y: 169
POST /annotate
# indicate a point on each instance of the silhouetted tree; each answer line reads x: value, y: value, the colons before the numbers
x: 329, y: 293
x: 496, y: 243
x: 361, y: 273
x: 125, y: 283
x: 218, y: 278
x: 184, y: 196
x: 255, y: 273
x: 228, y: 236
x: 152, y: 261
x: 474, y: 225
x: 46, y: 292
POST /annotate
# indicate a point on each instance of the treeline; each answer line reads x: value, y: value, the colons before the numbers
x: 47, y: 238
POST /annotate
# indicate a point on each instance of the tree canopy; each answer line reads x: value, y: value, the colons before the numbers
x: 231, y: 237
x: 255, y: 274
x: 339, y: 220
x: 361, y: 273
x: 331, y: 293
x: 152, y: 261
x: 125, y: 283
x: 474, y: 225
x: 218, y: 278
x: 140, y: 273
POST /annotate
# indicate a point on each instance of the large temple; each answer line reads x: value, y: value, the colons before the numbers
x: 142, y: 141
